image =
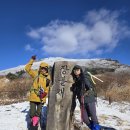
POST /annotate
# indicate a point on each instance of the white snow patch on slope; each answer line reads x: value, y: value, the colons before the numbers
x: 116, y: 115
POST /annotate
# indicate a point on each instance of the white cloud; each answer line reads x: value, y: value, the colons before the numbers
x: 100, y: 32
x: 29, y: 48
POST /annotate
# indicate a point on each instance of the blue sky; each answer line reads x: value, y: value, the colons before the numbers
x: 65, y: 28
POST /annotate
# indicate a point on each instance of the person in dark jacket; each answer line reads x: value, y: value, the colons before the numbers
x: 82, y: 89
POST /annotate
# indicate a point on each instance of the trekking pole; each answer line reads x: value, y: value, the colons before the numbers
x: 95, y: 77
x: 82, y: 108
x: 82, y: 103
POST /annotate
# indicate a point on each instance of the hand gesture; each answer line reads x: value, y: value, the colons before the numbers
x: 34, y: 57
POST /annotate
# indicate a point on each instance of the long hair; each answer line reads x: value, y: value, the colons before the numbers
x: 81, y: 74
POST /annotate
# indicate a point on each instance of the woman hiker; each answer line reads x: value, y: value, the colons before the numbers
x: 83, y: 89
x: 39, y: 89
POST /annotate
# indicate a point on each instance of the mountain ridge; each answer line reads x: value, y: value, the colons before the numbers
x: 90, y: 63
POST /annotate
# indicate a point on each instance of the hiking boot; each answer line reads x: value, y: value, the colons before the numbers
x: 96, y: 127
x: 93, y: 126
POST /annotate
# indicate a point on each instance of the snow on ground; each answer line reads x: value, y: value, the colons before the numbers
x: 116, y: 115
x: 13, y: 117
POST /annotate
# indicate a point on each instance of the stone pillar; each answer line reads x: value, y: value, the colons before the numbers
x: 60, y: 97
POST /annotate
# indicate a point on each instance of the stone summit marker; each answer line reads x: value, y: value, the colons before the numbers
x: 60, y: 97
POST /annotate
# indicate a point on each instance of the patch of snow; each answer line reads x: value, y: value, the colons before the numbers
x: 13, y: 117
x: 116, y: 115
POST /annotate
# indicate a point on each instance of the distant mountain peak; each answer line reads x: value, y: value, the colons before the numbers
x: 89, y: 63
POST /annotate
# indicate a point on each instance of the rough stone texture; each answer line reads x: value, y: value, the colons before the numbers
x: 60, y: 97
x: 79, y: 126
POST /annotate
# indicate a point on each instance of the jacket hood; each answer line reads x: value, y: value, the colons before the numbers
x: 77, y: 67
x: 43, y: 64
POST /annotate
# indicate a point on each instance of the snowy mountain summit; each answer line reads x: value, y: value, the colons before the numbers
x: 89, y: 63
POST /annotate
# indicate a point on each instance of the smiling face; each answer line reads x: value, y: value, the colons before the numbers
x: 43, y: 70
x: 77, y: 72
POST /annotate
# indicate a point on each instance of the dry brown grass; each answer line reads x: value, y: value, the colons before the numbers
x: 1, y: 76
x: 116, y: 87
x: 119, y: 94
x: 3, y: 81
x: 15, y: 90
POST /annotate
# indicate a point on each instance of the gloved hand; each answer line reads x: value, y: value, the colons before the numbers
x: 42, y: 95
x: 35, y: 120
x: 47, y: 82
x: 86, y: 93
x: 73, y: 88
x: 34, y: 57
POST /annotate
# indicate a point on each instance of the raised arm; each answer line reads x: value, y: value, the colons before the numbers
x: 30, y: 71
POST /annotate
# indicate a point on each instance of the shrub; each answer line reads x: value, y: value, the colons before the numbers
x: 17, y: 75
x: 115, y: 86
x: 20, y: 73
x: 11, y: 76
x: 16, y: 90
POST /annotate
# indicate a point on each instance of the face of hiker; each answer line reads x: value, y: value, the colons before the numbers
x: 43, y: 70
x: 77, y: 72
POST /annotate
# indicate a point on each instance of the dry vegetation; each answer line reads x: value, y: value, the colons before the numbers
x: 116, y: 86
x: 14, y: 90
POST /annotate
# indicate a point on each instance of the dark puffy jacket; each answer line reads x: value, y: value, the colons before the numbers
x: 83, y: 85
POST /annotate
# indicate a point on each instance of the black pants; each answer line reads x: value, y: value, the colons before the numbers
x: 89, y: 112
x: 73, y: 105
x: 35, y: 109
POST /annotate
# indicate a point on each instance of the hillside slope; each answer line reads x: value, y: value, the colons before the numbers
x: 89, y: 63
